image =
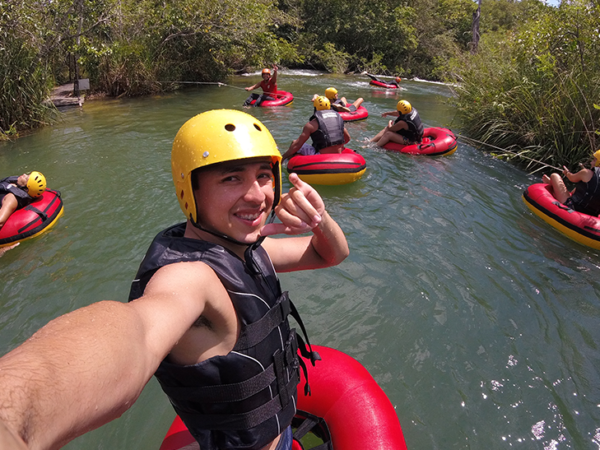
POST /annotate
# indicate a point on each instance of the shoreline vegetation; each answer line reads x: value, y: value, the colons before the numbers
x: 530, y: 86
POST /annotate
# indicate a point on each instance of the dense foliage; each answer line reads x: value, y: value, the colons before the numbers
x: 532, y: 89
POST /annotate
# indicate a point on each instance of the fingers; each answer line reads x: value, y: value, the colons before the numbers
x: 307, y: 198
x: 295, y: 210
x: 279, y: 228
x: 299, y: 211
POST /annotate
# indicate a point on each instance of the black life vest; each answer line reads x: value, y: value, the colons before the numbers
x: 331, y: 129
x: 246, y: 398
x: 586, y: 198
x: 415, y: 126
x: 9, y: 185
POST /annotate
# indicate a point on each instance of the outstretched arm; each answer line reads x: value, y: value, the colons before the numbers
x: 88, y: 367
x: 251, y: 88
x: 302, y: 210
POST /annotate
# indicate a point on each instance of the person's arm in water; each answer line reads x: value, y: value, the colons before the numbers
x: 3, y: 250
x: 302, y: 210
x: 308, y: 129
x: 88, y: 367
x: 390, y: 113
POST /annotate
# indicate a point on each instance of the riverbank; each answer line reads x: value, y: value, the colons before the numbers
x: 62, y: 96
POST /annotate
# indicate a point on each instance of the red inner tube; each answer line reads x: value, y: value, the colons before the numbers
x: 360, y: 114
x: 540, y: 196
x: 33, y: 218
x: 436, y: 141
x: 357, y: 412
x: 282, y: 98
x: 382, y: 84
x: 329, y: 163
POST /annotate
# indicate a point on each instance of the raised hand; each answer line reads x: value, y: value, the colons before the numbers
x: 300, y: 210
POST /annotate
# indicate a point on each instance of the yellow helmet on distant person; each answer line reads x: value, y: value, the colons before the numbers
x: 321, y: 103
x: 36, y: 185
x: 330, y: 93
x: 597, y: 156
x: 214, y: 137
x: 403, y: 107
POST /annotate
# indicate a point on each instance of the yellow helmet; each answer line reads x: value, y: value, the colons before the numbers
x: 597, y: 156
x: 36, y: 185
x: 403, y: 107
x: 214, y: 137
x: 330, y: 93
x: 321, y: 103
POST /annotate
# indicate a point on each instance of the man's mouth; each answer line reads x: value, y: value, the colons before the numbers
x: 249, y: 216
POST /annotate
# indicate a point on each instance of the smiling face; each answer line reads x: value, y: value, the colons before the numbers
x: 234, y: 198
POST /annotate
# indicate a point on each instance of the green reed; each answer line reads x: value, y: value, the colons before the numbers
x: 24, y: 88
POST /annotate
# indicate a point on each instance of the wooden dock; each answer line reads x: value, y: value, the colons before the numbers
x: 62, y: 96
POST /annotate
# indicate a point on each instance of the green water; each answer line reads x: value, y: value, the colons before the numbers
x: 479, y: 321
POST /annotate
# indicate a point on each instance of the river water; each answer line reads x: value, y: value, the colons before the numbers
x: 478, y: 320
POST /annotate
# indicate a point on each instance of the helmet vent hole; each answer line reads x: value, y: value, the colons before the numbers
x: 181, y: 194
x: 230, y: 127
x: 257, y: 127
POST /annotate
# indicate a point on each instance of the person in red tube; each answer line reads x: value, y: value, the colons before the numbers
x: 326, y: 129
x: 396, y: 81
x: 19, y: 191
x: 585, y: 198
x: 268, y: 86
x: 406, y: 129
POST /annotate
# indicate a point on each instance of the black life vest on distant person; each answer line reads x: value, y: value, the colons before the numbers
x: 331, y: 129
x: 586, y: 198
x: 415, y: 126
x: 9, y: 185
x: 245, y: 399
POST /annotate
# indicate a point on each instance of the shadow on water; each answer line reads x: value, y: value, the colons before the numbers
x: 477, y: 319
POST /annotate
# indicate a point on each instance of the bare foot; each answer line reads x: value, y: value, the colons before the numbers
x: 546, y: 179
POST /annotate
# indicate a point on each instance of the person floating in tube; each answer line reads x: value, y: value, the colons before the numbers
x: 206, y: 315
x: 395, y: 82
x: 19, y: 191
x: 326, y: 129
x: 268, y: 85
x: 340, y: 104
x: 407, y: 129
x: 585, y: 197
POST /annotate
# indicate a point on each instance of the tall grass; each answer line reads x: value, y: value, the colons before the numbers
x: 24, y: 88
x: 544, y: 116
